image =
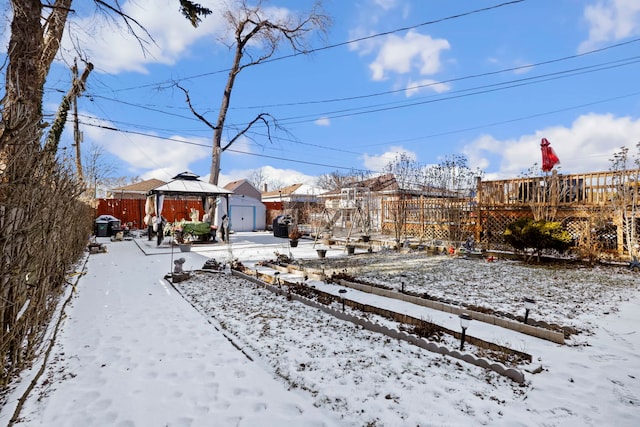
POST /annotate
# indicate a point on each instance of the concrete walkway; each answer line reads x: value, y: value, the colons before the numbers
x: 132, y: 352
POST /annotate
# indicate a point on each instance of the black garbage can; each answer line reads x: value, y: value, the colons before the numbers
x: 281, y: 226
x: 107, y: 225
x: 113, y: 227
x: 101, y: 229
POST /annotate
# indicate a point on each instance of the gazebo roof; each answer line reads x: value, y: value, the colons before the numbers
x: 188, y: 184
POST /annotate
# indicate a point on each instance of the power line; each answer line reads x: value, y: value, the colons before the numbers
x: 463, y: 93
x: 181, y: 141
x: 293, y: 55
x: 452, y: 80
x: 297, y: 161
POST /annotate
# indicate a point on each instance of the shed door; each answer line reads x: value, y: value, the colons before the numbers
x: 243, y: 218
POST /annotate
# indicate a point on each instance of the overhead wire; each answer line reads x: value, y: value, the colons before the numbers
x: 332, y: 46
x: 452, y: 80
x: 301, y: 161
x: 478, y: 90
x: 463, y: 93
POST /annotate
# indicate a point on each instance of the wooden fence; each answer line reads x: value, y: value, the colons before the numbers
x: 132, y: 210
x: 578, y: 201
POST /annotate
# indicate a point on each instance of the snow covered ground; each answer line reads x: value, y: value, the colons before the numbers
x: 219, y: 351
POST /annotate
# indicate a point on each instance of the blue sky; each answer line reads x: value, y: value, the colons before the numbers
x: 488, y: 84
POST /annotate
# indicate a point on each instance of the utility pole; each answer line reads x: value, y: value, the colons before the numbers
x: 77, y: 135
x: 53, y: 138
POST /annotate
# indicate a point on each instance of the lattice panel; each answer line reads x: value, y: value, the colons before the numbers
x: 452, y: 221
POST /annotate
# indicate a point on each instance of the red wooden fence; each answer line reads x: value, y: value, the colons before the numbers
x: 132, y: 210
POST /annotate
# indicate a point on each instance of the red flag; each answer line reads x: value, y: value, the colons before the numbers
x: 549, y: 158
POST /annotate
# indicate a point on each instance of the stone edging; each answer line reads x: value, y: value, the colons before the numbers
x: 512, y: 373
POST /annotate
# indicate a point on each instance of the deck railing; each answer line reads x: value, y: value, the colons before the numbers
x: 587, y: 189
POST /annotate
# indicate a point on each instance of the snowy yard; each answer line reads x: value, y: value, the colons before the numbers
x: 367, y: 378
x: 370, y: 379
x: 134, y: 352
x: 567, y: 295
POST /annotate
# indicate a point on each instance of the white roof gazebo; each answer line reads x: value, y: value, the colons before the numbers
x: 184, y: 184
x: 188, y: 184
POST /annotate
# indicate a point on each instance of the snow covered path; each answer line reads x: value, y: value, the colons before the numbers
x: 132, y: 352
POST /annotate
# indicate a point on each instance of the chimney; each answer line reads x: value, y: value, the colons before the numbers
x: 265, y: 187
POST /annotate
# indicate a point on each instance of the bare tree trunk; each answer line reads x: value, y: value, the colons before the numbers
x: 22, y: 112
x: 222, y: 116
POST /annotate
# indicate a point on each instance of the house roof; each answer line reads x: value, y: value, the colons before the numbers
x: 139, y: 187
x: 235, y: 184
x: 188, y: 184
x: 285, y: 191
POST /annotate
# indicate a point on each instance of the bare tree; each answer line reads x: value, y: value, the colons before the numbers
x: 625, y: 197
x: 543, y: 192
x: 452, y: 182
x: 337, y: 180
x: 259, y: 179
x: 97, y: 171
x: 405, y: 171
x: 256, y: 39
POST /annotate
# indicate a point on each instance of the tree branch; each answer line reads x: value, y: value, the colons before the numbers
x: 193, y: 11
x: 195, y: 113
x: 260, y: 118
x: 127, y: 20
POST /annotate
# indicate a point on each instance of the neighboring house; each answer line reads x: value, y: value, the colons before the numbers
x: 244, y: 188
x: 360, y: 203
x: 295, y: 200
x: 138, y: 190
x: 246, y: 211
x: 296, y: 193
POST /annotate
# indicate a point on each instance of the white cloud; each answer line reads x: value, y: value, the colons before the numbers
x: 413, y: 88
x: 145, y: 155
x: 377, y: 163
x: 323, y: 121
x: 386, y: 4
x: 404, y: 55
x: 523, y: 68
x: 112, y: 49
x: 240, y: 147
x: 586, y: 146
x: 610, y: 20
x: 271, y: 174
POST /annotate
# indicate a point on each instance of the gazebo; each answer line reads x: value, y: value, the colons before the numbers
x: 185, y: 184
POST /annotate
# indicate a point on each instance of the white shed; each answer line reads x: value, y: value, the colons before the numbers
x: 245, y: 213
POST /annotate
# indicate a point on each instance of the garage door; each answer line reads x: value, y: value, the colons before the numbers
x: 243, y: 218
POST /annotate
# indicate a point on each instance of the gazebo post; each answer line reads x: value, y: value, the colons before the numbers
x: 226, y: 229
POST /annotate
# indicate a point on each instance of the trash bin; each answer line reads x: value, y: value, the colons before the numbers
x: 101, y: 229
x: 107, y: 225
x: 113, y: 227
x: 281, y: 226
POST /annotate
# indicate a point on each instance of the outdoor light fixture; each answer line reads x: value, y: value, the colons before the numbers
x: 322, y: 265
x: 465, y: 320
x: 342, y: 292
x: 529, y: 303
